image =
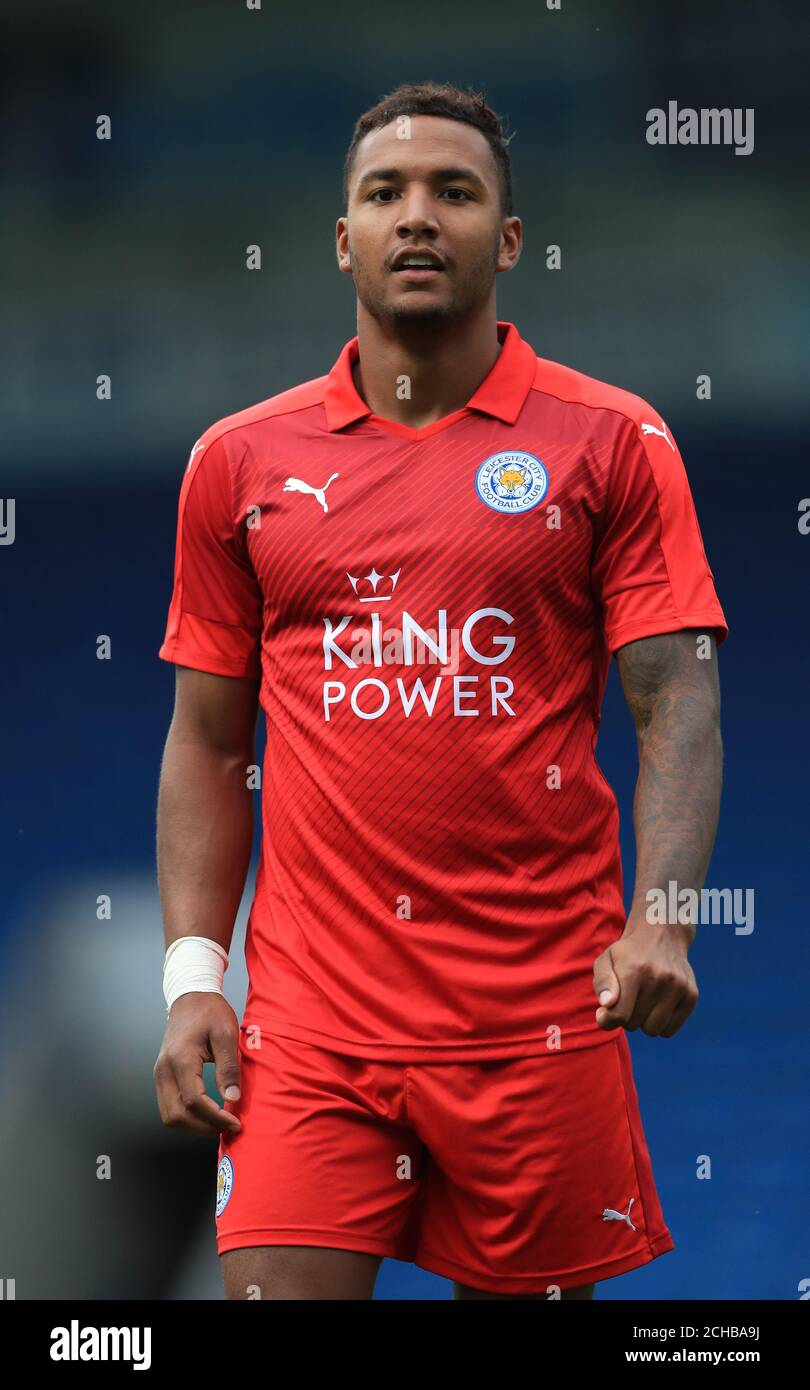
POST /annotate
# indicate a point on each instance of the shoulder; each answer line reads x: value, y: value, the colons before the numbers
x: 575, y: 388
x: 233, y: 433
x: 303, y: 397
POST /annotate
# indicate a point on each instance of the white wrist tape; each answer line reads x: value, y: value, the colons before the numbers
x: 192, y: 964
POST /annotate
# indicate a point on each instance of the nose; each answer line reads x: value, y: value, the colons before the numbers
x: 416, y: 214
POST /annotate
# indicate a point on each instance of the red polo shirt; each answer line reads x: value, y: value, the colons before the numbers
x: 431, y: 613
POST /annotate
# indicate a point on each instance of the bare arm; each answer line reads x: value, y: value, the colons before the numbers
x: 672, y: 688
x: 204, y: 840
x: 205, y: 811
x: 674, y: 698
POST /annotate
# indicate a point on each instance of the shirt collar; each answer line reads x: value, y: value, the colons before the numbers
x: 502, y: 393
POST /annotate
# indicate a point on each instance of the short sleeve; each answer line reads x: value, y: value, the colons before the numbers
x: 215, y: 614
x: 649, y: 569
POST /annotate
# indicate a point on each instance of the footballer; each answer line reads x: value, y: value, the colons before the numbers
x: 419, y: 565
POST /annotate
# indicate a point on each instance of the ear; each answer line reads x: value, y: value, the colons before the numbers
x: 342, y: 245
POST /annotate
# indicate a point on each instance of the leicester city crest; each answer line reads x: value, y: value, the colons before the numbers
x: 511, y: 481
x: 224, y: 1183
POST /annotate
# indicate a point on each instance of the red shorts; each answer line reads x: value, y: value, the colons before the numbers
x: 512, y: 1176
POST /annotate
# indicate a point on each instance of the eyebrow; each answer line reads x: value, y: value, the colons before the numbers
x: 391, y: 175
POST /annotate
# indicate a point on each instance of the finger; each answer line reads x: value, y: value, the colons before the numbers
x: 172, y: 1111
x: 608, y: 1020
x: 680, y: 1016
x: 606, y: 983
x: 225, y: 1049
x: 662, y: 1013
x: 190, y: 1125
x: 212, y: 1116
x: 670, y: 997
x: 196, y: 1103
x: 649, y: 995
x: 206, y: 1109
x: 617, y: 1016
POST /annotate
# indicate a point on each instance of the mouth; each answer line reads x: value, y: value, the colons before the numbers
x: 417, y: 266
x: 418, y: 275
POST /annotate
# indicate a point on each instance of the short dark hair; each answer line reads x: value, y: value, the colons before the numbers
x: 438, y: 99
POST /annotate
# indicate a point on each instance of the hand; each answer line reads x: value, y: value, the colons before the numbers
x: 644, y: 980
x: 202, y: 1027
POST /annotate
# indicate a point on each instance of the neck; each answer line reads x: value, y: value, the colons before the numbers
x: 443, y: 368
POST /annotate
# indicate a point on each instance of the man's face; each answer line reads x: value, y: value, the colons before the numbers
x: 425, y: 183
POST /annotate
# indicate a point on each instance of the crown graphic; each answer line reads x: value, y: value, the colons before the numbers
x: 373, y: 578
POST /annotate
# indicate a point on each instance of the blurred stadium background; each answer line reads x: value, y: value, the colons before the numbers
x: 127, y: 257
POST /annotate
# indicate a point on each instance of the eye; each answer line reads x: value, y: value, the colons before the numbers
x: 381, y: 190
x: 462, y: 191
